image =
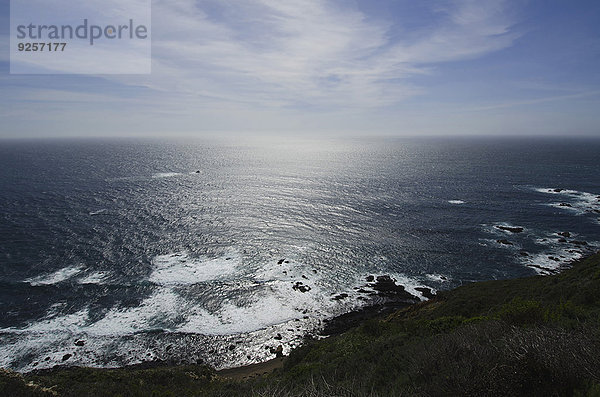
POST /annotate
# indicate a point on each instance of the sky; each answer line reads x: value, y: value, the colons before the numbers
x: 341, y: 67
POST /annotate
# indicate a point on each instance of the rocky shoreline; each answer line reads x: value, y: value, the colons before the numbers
x: 385, y: 297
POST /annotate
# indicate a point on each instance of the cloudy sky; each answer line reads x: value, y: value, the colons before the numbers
x: 357, y: 67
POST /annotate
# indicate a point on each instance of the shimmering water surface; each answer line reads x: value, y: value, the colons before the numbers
x: 124, y: 251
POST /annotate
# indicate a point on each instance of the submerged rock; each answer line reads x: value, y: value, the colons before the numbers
x: 565, y: 205
x: 515, y: 229
x: 387, y: 287
x: 278, y: 351
x: 564, y: 234
x: 427, y: 292
x: 340, y: 297
x: 577, y: 242
x: 299, y: 286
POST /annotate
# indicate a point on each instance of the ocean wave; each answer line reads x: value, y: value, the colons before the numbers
x: 96, y: 278
x: 56, y: 277
x: 574, y: 201
x: 181, y: 269
x: 99, y: 212
x: 165, y: 174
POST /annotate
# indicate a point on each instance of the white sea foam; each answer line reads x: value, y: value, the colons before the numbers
x: 456, y: 201
x: 231, y: 319
x: 440, y: 278
x: 161, y: 310
x: 551, y: 190
x: 165, y: 174
x: 411, y: 285
x: 270, y: 303
x: 99, y: 212
x: 550, y: 261
x: 497, y: 229
x: 181, y: 269
x: 572, y: 200
x: 56, y: 277
x: 558, y: 252
x: 94, y: 278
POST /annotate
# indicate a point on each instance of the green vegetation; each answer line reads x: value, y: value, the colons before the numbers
x: 537, y: 336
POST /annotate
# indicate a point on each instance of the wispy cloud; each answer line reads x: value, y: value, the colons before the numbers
x: 272, y: 65
x: 310, y: 52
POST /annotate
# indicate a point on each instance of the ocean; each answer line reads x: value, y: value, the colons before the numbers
x: 123, y: 251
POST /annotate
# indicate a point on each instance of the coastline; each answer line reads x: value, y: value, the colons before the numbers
x: 436, y: 347
x: 344, y: 322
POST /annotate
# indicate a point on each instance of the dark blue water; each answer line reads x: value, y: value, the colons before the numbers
x: 122, y: 251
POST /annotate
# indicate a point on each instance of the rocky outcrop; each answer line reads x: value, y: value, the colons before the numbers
x: 512, y: 229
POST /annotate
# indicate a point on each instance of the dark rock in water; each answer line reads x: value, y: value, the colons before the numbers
x: 524, y: 253
x: 286, y: 261
x: 67, y: 356
x: 278, y: 352
x: 565, y: 205
x: 576, y: 242
x: 504, y: 241
x: 340, y: 297
x: 387, y: 287
x: 515, y: 229
x: 231, y: 347
x: 79, y: 343
x: 564, y: 234
x: 387, y: 284
x: 279, y: 262
x: 303, y: 276
x: 370, y: 279
x: 552, y: 258
x: 301, y: 287
x: 562, y: 240
x: 47, y: 359
x: 558, y: 190
x: 198, y: 171
x: 278, y: 337
x: 427, y: 293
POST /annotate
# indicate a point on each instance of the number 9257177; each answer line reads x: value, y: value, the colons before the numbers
x: 39, y: 47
